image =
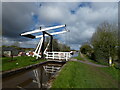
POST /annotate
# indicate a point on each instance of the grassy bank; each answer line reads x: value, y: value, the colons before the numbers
x: 18, y: 62
x: 79, y: 75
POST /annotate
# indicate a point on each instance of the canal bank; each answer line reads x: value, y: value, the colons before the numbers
x: 50, y: 82
x: 18, y: 62
x: 82, y: 75
x: 18, y: 70
x: 33, y: 76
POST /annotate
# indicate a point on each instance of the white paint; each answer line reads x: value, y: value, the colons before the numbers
x: 38, y: 49
x: 58, y: 55
x: 49, y: 55
x: 45, y: 29
x: 52, y: 34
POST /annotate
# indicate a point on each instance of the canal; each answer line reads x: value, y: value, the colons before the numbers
x: 34, y: 78
x: 75, y: 54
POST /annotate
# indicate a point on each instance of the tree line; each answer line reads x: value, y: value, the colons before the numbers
x: 103, y: 44
x: 57, y: 46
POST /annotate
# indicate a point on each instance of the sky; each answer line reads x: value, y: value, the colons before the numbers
x: 81, y: 19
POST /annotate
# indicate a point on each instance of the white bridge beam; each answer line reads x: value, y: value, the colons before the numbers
x: 55, y: 33
x: 44, y: 29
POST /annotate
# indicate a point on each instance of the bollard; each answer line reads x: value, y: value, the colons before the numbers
x: 110, y: 61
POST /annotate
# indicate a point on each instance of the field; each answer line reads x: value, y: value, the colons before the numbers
x: 18, y: 62
x: 79, y: 75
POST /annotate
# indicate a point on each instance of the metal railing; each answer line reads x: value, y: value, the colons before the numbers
x: 58, y: 55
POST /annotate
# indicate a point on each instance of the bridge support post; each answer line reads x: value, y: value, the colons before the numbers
x: 51, y: 39
x: 42, y: 49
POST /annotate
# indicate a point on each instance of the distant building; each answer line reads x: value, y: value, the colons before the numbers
x: 22, y: 54
x: 8, y: 51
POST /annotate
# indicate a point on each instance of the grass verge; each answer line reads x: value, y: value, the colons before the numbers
x: 18, y: 62
x: 79, y: 75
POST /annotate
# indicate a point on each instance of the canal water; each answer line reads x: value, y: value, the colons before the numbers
x: 75, y: 54
x: 33, y: 78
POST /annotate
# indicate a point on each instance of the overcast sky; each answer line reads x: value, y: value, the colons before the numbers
x: 81, y: 19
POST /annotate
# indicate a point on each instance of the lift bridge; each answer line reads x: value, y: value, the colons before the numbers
x: 51, y: 55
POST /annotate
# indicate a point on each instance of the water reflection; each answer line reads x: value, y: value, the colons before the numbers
x: 37, y: 80
x: 34, y: 78
x: 52, y: 68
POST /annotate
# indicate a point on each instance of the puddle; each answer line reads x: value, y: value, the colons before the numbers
x: 33, y: 78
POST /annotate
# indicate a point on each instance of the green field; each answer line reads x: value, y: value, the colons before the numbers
x: 8, y: 63
x: 79, y: 75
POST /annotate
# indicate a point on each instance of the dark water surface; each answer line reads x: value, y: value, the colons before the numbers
x: 33, y: 78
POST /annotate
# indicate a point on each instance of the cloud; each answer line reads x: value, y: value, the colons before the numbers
x: 81, y: 18
x: 56, y: 12
x: 26, y: 44
x: 16, y: 18
x: 87, y: 19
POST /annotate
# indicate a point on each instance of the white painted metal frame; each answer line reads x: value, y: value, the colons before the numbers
x: 52, y: 33
x: 37, y: 51
x: 49, y: 55
x: 45, y: 29
x: 58, y: 55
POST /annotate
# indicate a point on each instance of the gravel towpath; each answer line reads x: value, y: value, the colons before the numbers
x: 87, y: 62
